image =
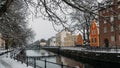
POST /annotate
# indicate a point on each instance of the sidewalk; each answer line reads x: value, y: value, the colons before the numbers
x: 7, y: 62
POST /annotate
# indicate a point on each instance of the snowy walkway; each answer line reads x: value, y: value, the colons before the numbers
x: 117, y: 51
x: 11, y: 63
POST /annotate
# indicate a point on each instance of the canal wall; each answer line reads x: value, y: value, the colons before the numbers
x: 87, y: 55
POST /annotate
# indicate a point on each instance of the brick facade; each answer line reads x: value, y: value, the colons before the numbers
x: 109, y: 23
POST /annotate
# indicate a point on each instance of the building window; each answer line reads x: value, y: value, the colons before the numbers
x: 93, y: 31
x: 118, y: 5
x: 112, y: 28
x: 119, y: 17
x: 92, y: 40
x: 95, y: 40
x: 112, y: 38
x: 111, y: 18
x: 105, y: 29
x: 110, y: 9
x: 105, y: 21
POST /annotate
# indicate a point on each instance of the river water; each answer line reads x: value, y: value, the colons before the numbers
x: 57, y: 60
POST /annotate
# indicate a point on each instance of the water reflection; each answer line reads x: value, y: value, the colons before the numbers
x: 63, y: 60
x: 56, y: 59
x: 38, y: 53
x: 69, y: 62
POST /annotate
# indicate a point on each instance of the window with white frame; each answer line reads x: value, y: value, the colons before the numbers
x: 105, y: 29
x: 112, y: 28
x: 118, y: 16
x: 105, y: 21
x: 112, y: 18
x: 112, y: 38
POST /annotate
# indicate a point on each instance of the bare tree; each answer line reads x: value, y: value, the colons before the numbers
x: 4, y: 4
x: 14, y: 24
x: 60, y: 11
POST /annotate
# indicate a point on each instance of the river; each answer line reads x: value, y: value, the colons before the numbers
x: 58, y: 59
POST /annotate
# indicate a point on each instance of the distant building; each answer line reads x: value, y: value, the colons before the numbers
x: 79, y: 40
x: 74, y: 39
x: 52, y: 41
x: 110, y: 23
x: 69, y: 40
x: 65, y: 38
x: 43, y: 42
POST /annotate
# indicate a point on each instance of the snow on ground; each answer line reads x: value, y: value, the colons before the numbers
x: 11, y: 63
x: 7, y: 62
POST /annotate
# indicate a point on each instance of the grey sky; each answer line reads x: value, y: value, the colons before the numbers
x: 42, y: 28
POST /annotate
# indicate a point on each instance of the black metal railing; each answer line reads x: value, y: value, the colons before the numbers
x: 46, y: 64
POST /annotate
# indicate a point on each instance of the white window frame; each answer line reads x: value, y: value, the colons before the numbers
x: 105, y: 29
x: 112, y: 28
x: 112, y: 38
x: 112, y: 18
x: 105, y: 21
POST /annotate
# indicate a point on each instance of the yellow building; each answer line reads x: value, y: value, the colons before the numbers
x: 65, y: 38
x: 68, y: 40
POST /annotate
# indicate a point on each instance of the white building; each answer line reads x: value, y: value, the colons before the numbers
x: 53, y: 41
x: 61, y: 37
x: 43, y: 43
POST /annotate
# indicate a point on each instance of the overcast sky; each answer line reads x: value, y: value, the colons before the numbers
x: 42, y: 28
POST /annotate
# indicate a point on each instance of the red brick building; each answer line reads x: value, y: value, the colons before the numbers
x: 109, y: 23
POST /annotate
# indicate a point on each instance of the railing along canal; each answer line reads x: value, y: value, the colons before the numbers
x: 46, y: 63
